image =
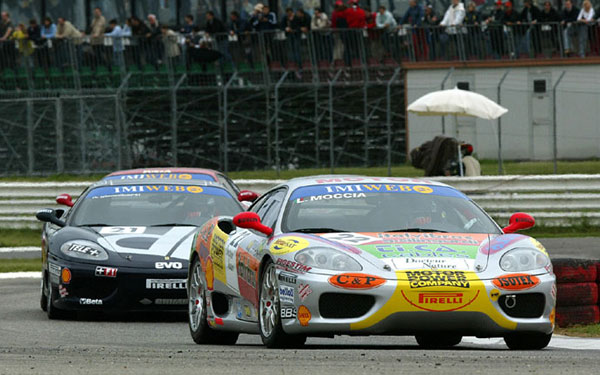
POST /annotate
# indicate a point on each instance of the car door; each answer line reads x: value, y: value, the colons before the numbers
x: 243, y: 249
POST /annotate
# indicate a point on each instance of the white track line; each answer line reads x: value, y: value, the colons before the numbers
x: 23, y: 249
x: 21, y: 275
x: 558, y: 341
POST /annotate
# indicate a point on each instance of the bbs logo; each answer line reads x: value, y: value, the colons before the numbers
x: 288, y: 313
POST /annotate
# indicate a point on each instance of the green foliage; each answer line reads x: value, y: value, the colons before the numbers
x: 20, y: 237
x: 20, y: 265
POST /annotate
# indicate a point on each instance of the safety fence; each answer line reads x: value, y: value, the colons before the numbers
x: 553, y: 200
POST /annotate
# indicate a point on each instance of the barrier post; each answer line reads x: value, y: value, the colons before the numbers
x: 554, y: 127
x: 388, y: 119
x: 442, y: 87
x: 499, y: 100
x: 60, y: 162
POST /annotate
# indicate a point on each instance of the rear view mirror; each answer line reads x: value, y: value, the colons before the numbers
x: 65, y: 200
x: 250, y: 220
x: 247, y: 196
x: 519, y: 221
x: 48, y: 215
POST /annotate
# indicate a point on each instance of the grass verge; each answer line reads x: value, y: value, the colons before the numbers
x: 591, y: 330
x: 20, y: 265
x: 20, y: 237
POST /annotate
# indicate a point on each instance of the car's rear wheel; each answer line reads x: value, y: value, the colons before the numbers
x: 269, y: 315
x: 438, y: 341
x: 52, y: 311
x: 199, y: 329
x: 43, y: 296
x: 527, y: 341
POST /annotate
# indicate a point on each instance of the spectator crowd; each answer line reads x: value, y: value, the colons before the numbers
x: 348, y: 34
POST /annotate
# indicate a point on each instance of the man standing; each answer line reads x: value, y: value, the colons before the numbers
x: 569, y: 20
x: 216, y: 29
x: 453, y: 19
x: 6, y: 49
x: 98, y: 28
x: 116, y: 33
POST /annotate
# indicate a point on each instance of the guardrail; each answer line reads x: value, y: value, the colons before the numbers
x: 554, y: 200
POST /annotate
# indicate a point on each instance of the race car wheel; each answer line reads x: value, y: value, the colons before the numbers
x: 527, y: 341
x: 43, y: 296
x: 438, y: 341
x: 54, y: 312
x: 201, y: 332
x: 271, y: 331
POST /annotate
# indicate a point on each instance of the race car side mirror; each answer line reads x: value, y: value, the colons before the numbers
x: 250, y: 220
x: 247, y: 196
x: 65, y: 200
x: 519, y: 221
x: 48, y: 215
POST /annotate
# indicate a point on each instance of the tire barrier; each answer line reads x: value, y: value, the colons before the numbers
x: 577, y: 291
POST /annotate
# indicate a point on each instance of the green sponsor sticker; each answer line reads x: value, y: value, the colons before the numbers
x: 421, y: 251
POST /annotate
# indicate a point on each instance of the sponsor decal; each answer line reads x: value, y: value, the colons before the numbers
x: 217, y: 254
x: 54, y: 269
x: 553, y: 291
x: 539, y: 246
x: 247, y: 311
x: 303, y: 291
x: 378, y: 179
x: 290, y: 244
x: 432, y: 263
x: 168, y: 265
x: 494, y: 295
x: 433, y: 238
x: 146, y: 301
x: 170, y: 301
x: 106, y: 271
x: 136, y: 190
x: 293, y: 266
x: 288, y: 313
x: 312, y: 193
x: 286, y: 294
x: 422, y: 251
x: 446, y: 278
x: 356, y: 281
x: 516, y: 281
x: 66, y: 275
x: 287, y: 277
x: 502, y: 242
x: 247, y: 271
x: 325, y: 197
x: 552, y: 316
x: 166, y: 283
x: 440, y: 301
x: 350, y: 238
x: 210, y: 275
x: 304, y: 315
x: 90, y: 301
x: 62, y: 291
x: 162, y: 175
x: 83, y: 249
x: 122, y: 230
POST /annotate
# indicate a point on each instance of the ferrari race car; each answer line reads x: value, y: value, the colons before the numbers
x: 124, y: 245
x: 352, y: 255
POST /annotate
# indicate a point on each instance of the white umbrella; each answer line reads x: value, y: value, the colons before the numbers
x: 458, y: 103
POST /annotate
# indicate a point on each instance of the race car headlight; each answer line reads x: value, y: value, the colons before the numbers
x: 83, y: 249
x: 327, y: 259
x: 523, y: 260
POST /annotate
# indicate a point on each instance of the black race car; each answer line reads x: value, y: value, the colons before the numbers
x: 124, y: 244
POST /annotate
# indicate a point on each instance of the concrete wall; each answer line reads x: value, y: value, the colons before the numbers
x: 527, y: 128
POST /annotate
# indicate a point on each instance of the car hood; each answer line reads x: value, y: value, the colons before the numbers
x: 409, y: 251
x: 166, y: 242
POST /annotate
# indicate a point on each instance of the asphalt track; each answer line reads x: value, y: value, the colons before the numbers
x: 154, y: 344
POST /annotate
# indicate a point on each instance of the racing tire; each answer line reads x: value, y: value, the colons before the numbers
x: 438, y: 341
x: 574, y: 270
x: 527, y: 341
x: 43, y: 296
x: 54, y: 313
x: 201, y: 333
x: 269, y: 313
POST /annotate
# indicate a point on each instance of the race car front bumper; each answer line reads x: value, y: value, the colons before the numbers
x: 94, y: 287
x: 476, y: 308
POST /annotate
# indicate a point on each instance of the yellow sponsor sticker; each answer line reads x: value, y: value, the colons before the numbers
x: 494, y: 295
x: 423, y: 189
x: 285, y: 245
x: 194, y: 189
x: 217, y: 254
x: 539, y: 246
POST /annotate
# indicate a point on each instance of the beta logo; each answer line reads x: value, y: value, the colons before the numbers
x: 286, y: 245
x: 356, y: 281
x: 168, y: 265
x: 516, y: 281
x: 90, y: 301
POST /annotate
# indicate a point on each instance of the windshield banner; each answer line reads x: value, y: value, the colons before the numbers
x: 340, y: 191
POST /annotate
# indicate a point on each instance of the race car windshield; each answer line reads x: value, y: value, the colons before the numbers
x: 153, y: 205
x: 383, y: 208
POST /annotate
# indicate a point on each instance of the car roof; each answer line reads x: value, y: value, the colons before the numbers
x: 165, y: 170
x: 352, y: 179
x: 157, y: 181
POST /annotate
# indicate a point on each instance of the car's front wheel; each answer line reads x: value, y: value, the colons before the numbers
x: 438, y: 341
x: 269, y: 314
x: 527, y: 341
x: 43, y: 296
x: 199, y: 329
x: 52, y: 311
